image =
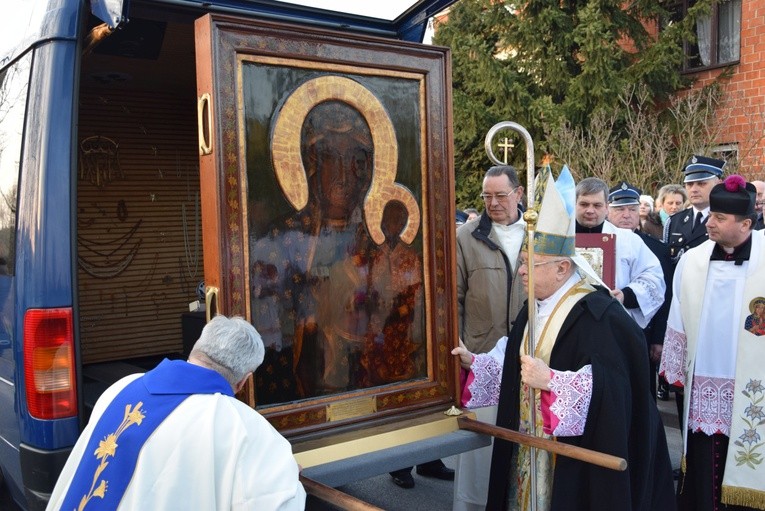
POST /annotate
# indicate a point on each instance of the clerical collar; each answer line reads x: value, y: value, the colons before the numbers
x: 739, y: 254
x: 546, y: 306
x: 582, y: 229
x: 510, y: 227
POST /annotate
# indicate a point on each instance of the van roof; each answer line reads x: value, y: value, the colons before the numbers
x: 24, y: 23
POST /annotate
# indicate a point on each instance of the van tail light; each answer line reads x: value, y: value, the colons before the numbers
x: 49, y: 363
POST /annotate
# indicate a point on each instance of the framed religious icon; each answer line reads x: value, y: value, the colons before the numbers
x: 326, y: 171
x: 599, y: 249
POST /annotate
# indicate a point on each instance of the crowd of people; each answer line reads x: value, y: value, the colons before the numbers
x: 686, y: 307
x: 576, y: 363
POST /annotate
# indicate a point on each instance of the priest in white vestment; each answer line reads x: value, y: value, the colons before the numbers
x: 709, y: 352
x: 640, y: 282
x: 177, y: 438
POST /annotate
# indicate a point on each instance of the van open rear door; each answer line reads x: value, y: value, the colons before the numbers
x: 328, y: 206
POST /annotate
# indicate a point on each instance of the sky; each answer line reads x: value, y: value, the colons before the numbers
x: 386, y: 9
x: 11, y: 28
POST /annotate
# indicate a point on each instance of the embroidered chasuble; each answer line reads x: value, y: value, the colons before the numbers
x: 550, y: 316
x: 110, y: 456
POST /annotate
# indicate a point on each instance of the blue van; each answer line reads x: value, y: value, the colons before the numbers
x: 104, y: 224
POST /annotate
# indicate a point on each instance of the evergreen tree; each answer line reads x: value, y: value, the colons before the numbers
x: 549, y: 64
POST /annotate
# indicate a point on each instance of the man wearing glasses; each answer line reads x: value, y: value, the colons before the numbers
x: 488, y: 299
x: 589, y: 363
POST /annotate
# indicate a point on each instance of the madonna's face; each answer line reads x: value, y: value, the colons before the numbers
x: 338, y: 157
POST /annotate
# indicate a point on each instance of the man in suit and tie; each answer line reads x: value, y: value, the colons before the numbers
x: 687, y: 228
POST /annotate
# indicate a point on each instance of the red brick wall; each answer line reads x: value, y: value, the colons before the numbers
x: 744, y: 105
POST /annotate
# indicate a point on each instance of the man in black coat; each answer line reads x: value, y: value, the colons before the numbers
x: 759, y: 205
x: 687, y: 229
x: 623, y: 211
x: 591, y: 368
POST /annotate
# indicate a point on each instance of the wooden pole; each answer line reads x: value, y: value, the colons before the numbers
x: 335, y: 497
x: 571, y: 451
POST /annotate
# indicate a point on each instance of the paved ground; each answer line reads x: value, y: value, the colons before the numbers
x: 6, y: 503
x: 430, y: 494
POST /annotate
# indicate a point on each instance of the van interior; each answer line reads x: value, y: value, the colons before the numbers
x: 139, y: 232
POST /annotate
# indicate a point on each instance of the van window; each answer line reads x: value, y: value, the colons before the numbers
x: 14, y: 86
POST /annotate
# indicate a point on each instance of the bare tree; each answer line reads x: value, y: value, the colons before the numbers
x: 642, y: 144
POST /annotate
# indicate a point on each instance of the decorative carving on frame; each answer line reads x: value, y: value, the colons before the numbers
x: 329, y: 201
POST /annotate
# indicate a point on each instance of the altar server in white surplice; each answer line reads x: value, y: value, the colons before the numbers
x: 712, y: 351
x: 639, y: 278
x: 177, y: 438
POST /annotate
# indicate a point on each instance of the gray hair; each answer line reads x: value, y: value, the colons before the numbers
x: 591, y: 186
x: 504, y: 170
x: 232, y: 346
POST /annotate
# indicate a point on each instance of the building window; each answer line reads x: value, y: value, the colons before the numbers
x: 728, y: 153
x: 718, y: 35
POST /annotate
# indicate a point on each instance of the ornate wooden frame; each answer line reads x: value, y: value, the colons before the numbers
x: 224, y: 45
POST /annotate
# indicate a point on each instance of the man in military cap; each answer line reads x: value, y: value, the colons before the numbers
x: 461, y: 217
x: 709, y: 351
x: 624, y: 212
x: 687, y: 228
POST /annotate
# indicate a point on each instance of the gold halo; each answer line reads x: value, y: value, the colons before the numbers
x: 759, y: 299
x: 288, y: 162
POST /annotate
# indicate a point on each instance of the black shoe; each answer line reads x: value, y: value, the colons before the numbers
x: 440, y: 471
x: 662, y: 392
x: 403, y: 480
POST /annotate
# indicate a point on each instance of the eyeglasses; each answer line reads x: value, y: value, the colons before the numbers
x: 526, y: 263
x: 501, y: 196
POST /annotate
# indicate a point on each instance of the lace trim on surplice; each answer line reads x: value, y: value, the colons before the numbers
x: 573, y: 393
x: 711, y: 409
x: 487, y: 377
x: 673, y: 357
